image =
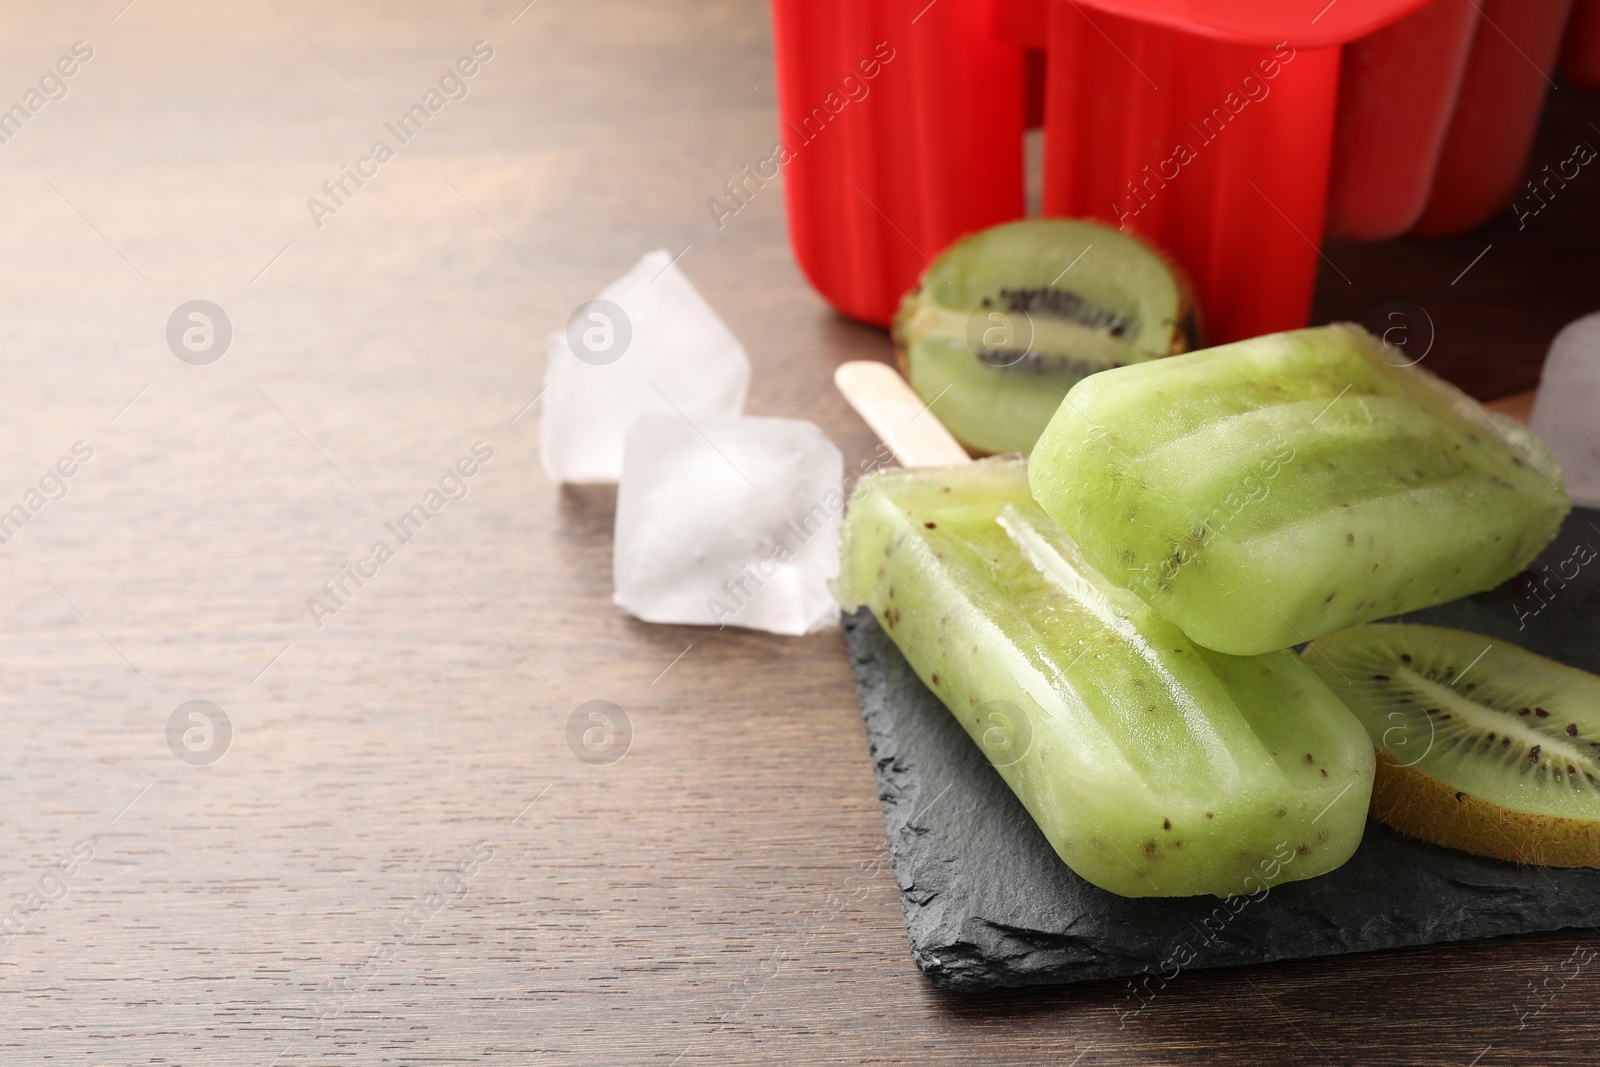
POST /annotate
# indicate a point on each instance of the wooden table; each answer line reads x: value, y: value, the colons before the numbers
x: 400, y: 834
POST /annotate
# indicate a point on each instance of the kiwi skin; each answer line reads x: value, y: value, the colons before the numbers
x: 1421, y: 806
x: 1188, y: 334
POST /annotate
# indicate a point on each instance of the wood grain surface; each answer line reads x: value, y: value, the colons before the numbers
x: 401, y: 858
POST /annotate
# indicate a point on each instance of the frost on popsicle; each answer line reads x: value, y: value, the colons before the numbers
x: 1264, y: 493
x: 1153, y: 767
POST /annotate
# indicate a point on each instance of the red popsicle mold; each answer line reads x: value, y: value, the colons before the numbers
x: 1485, y: 151
x: 1220, y: 130
x: 931, y: 151
x: 1397, y: 89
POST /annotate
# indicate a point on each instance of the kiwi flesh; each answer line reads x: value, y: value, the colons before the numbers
x: 1008, y: 319
x: 1482, y: 745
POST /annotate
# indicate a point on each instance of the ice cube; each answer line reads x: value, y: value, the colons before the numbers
x: 648, y: 343
x: 1564, y: 413
x: 729, y: 522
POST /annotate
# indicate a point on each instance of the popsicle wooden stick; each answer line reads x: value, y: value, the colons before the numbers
x: 898, y: 415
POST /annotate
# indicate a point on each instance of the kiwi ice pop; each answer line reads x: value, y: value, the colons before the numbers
x: 1154, y: 767
x: 1264, y: 493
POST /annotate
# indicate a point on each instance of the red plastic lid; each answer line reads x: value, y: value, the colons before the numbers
x: 1302, y: 23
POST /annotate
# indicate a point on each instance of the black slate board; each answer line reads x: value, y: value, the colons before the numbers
x: 988, y: 904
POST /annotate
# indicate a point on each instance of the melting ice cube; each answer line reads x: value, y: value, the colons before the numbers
x: 1564, y: 414
x: 648, y: 343
x: 731, y: 521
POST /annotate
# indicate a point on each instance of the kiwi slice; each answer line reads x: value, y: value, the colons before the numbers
x: 1008, y: 319
x: 1482, y: 745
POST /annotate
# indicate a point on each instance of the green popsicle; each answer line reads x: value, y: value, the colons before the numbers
x: 1153, y: 767
x: 1263, y: 493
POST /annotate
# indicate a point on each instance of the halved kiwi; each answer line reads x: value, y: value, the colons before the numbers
x: 1482, y: 745
x: 1008, y: 319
